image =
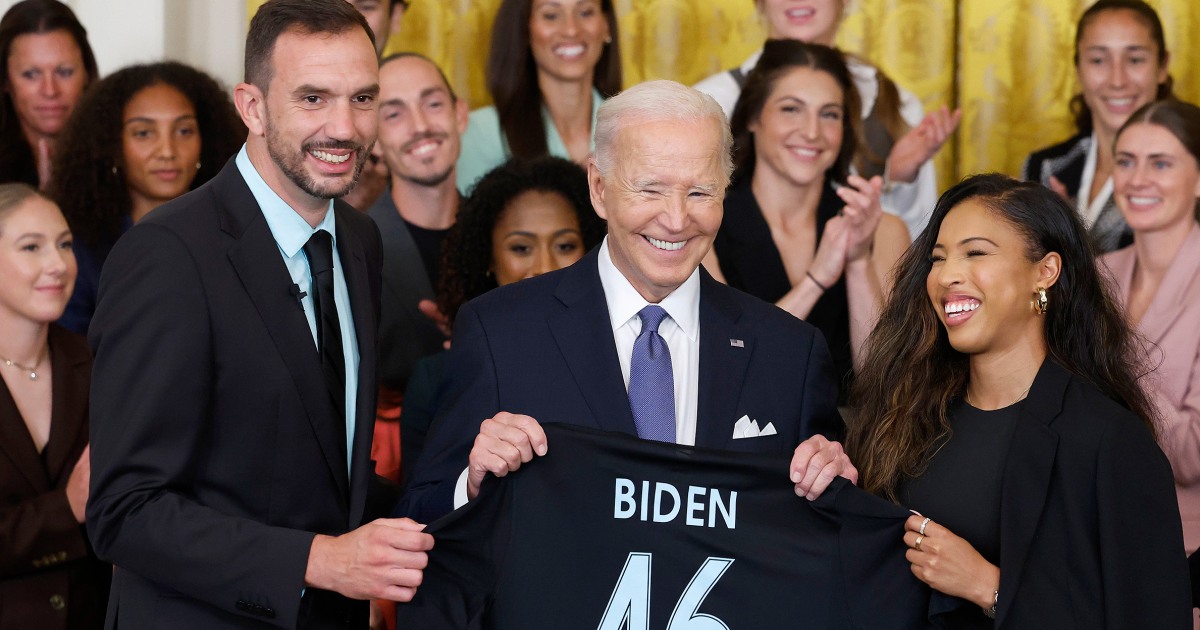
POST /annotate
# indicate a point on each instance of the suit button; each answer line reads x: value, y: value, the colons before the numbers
x: 242, y: 606
x: 57, y: 602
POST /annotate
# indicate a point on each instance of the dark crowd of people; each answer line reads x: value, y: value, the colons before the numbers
x: 254, y: 340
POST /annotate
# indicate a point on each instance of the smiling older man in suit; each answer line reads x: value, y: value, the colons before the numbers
x: 234, y: 383
x: 636, y: 337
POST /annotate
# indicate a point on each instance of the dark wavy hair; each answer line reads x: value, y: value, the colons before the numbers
x: 778, y: 57
x: 1145, y: 14
x: 912, y: 374
x: 32, y: 16
x: 512, y: 76
x: 467, y: 253
x: 94, y: 198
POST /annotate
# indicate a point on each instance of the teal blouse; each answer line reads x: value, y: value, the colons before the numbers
x: 484, y: 147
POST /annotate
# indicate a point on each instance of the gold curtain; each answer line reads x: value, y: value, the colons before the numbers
x: 1008, y: 63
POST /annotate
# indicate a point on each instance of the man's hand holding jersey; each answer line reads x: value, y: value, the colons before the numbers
x: 508, y: 440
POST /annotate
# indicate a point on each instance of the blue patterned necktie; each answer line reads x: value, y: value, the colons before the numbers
x: 651, y: 384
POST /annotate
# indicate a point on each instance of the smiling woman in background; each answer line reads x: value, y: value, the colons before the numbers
x: 141, y: 137
x: 897, y: 139
x: 1156, y: 182
x: 49, y: 577
x: 557, y: 57
x: 799, y: 230
x: 45, y: 64
x: 1121, y: 61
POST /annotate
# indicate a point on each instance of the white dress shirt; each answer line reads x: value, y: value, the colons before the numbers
x: 681, y: 330
x: 1090, y: 208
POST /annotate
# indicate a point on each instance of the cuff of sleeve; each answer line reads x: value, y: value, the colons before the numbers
x: 460, y: 490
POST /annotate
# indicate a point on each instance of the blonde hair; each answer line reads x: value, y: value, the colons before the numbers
x: 13, y: 195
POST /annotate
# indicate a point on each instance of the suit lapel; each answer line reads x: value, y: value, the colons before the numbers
x: 257, y: 262
x: 350, y: 252
x: 1177, y: 287
x: 399, y: 249
x: 68, y: 415
x: 1027, y: 474
x: 722, y: 364
x: 584, y: 336
x: 17, y: 444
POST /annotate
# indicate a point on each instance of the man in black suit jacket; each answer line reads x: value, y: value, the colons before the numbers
x: 558, y: 348
x: 230, y: 471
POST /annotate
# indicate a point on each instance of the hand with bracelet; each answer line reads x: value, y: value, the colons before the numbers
x: 830, y: 259
x: 950, y: 564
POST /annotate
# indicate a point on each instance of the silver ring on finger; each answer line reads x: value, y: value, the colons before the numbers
x: 923, y: 524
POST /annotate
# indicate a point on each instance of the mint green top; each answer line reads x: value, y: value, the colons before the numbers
x: 484, y: 147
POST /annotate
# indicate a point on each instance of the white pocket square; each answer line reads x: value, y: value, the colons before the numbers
x: 747, y: 428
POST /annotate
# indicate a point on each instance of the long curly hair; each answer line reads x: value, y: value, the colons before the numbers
x: 512, y: 75
x: 89, y: 184
x: 23, y: 18
x: 467, y: 252
x: 912, y: 374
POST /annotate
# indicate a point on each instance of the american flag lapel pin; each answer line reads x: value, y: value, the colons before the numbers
x: 737, y: 343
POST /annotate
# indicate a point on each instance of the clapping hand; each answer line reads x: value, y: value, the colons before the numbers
x: 921, y: 143
x: 862, y: 214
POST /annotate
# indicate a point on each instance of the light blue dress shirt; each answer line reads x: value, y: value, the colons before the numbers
x: 291, y: 232
x: 484, y: 147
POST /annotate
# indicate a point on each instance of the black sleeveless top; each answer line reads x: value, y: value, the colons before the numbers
x: 751, y: 262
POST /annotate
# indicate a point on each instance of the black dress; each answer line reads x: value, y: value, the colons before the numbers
x: 752, y: 263
x: 961, y: 488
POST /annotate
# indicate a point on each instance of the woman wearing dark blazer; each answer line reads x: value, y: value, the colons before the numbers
x: 49, y: 577
x: 1000, y: 400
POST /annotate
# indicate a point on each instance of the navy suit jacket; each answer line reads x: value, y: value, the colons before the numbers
x: 544, y: 347
x: 215, y: 447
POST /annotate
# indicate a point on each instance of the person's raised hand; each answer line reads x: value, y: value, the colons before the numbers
x: 921, y: 143
x: 830, y: 260
x: 862, y: 213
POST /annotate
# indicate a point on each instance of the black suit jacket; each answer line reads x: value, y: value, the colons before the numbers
x: 544, y: 347
x: 49, y: 577
x: 215, y: 447
x: 1090, y: 535
x: 405, y: 334
x: 1065, y: 161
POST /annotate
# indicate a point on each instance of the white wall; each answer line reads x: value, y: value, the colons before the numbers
x: 208, y: 34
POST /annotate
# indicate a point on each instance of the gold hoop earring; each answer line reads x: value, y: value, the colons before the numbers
x: 1041, y: 301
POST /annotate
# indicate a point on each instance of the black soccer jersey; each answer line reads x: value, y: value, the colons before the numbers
x: 610, y: 532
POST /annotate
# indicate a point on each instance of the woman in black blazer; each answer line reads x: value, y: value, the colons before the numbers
x: 1000, y: 400
x: 49, y: 577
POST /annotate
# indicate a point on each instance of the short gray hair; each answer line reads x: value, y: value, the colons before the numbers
x: 657, y: 101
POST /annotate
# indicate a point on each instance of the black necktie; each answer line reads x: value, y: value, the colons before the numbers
x: 319, y: 250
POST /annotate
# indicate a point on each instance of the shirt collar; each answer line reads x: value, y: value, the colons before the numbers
x: 624, y: 302
x: 290, y: 230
